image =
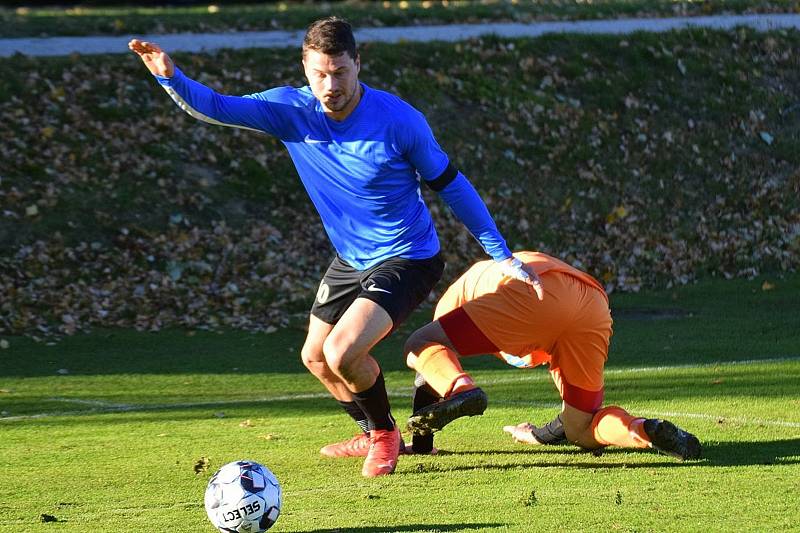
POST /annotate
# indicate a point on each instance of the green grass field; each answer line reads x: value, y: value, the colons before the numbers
x: 112, y: 443
x: 655, y: 160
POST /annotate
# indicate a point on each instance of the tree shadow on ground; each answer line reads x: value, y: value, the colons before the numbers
x: 407, y: 527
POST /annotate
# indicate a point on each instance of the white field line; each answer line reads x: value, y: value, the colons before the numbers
x: 101, y: 407
x: 744, y: 421
x: 734, y: 419
x: 96, y: 403
x: 544, y: 376
x: 774, y: 360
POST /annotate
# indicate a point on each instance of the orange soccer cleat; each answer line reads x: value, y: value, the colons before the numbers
x: 383, y: 451
x: 357, y: 446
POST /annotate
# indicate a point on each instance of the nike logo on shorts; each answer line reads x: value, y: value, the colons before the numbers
x: 375, y: 288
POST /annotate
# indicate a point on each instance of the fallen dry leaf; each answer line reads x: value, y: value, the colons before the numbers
x: 201, y: 465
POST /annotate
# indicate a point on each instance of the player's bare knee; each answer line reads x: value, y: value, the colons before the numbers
x: 342, y: 367
x: 339, y: 355
x: 318, y: 368
x: 312, y: 356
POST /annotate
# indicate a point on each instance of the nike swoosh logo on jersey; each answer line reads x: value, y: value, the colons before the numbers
x: 375, y: 288
x: 309, y: 140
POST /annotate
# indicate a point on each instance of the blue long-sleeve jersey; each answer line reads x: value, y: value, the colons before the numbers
x: 361, y: 173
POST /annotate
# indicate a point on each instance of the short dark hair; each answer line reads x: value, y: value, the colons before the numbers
x: 331, y: 36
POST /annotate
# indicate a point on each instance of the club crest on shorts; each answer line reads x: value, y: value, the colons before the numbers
x: 323, y: 292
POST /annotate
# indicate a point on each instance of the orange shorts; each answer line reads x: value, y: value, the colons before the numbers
x: 570, y: 329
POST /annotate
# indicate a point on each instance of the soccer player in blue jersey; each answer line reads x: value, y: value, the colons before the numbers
x: 361, y: 154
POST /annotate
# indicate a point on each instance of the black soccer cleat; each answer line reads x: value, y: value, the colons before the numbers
x: 436, y: 416
x: 669, y: 439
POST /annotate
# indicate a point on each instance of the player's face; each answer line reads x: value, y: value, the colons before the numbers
x: 334, y: 81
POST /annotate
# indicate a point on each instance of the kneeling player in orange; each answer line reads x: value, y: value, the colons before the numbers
x: 483, y: 312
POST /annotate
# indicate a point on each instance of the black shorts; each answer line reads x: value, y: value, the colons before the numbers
x: 397, y: 285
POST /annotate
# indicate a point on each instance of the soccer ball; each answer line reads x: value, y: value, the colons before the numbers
x: 243, y: 497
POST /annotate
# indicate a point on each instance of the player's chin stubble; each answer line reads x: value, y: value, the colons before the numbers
x: 343, y: 98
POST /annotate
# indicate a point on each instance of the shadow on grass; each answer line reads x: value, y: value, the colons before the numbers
x: 560, y: 450
x: 407, y: 527
x: 589, y: 464
x: 778, y: 452
x: 775, y: 452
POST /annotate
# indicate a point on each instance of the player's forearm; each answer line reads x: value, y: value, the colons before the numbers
x: 468, y: 206
x: 203, y: 103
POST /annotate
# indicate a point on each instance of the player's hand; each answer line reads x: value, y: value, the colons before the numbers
x: 155, y: 59
x: 514, y: 268
x: 522, y: 433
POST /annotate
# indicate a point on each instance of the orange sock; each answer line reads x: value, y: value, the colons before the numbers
x: 441, y: 369
x: 613, y: 426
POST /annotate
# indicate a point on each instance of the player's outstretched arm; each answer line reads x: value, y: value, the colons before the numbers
x: 199, y: 101
x: 154, y: 58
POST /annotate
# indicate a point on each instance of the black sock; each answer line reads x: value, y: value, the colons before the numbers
x: 374, y: 403
x: 355, y: 412
x: 424, y: 396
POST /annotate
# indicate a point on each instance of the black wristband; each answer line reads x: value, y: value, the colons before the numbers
x: 551, y: 433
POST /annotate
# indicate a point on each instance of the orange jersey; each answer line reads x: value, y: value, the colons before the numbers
x: 570, y: 328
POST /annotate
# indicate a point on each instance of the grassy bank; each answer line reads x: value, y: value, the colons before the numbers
x: 649, y: 160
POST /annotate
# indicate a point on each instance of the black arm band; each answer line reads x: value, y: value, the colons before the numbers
x: 551, y: 433
x: 444, y: 178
